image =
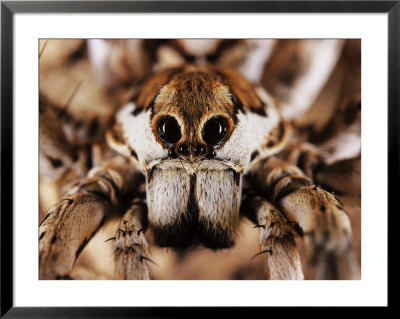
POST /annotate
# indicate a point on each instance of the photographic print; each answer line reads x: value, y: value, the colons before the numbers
x: 233, y: 159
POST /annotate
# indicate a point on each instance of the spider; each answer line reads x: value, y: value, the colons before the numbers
x: 209, y: 133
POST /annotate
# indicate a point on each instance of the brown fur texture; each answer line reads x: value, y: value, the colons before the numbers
x: 282, y: 199
x: 199, y: 80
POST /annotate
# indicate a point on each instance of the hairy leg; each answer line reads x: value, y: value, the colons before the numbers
x: 276, y: 238
x: 320, y: 215
x: 129, y: 244
x: 74, y: 220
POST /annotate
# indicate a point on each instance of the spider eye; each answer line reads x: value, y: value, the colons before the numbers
x: 215, y: 130
x: 168, y: 130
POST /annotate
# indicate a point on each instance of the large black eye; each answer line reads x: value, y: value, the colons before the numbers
x: 168, y: 130
x: 215, y: 130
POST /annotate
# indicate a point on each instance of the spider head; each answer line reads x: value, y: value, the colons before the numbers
x: 193, y: 114
x: 189, y: 132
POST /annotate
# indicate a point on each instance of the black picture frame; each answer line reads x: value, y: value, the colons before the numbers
x: 9, y: 8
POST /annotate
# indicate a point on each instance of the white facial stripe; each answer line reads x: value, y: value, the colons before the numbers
x: 250, y: 133
x: 139, y: 135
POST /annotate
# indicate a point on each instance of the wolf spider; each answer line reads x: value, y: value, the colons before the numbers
x: 209, y: 132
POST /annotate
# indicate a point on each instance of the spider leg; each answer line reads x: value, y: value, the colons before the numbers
x: 319, y: 214
x: 276, y: 238
x: 305, y: 156
x: 60, y: 158
x: 342, y: 176
x: 73, y: 221
x: 130, y: 247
